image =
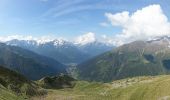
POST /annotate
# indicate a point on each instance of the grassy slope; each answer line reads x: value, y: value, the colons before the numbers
x: 8, y: 95
x: 139, y: 88
x: 14, y: 86
x: 138, y: 58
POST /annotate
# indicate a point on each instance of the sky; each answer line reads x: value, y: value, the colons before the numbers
x: 116, y: 21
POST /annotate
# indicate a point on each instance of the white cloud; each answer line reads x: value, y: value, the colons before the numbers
x: 92, y: 37
x: 82, y: 39
x: 104, y: 24
x: 19, y: 37
x: 119, y: 18
x: 85, y: 38
x: 145, y: 23
x: 41, y: 39
x: 108, y: 40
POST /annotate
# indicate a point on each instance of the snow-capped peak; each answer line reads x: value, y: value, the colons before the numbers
x: 31, y: 40
x: 42, y: 41
x: 86, y: 39
x: 160, y: 38
x: 164, y: 40
x: 59, y: 42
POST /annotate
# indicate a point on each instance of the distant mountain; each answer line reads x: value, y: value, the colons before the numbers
x: 29, y: 64
x: 138, y: 58
x: 63, y: 51
x: 95, y: 48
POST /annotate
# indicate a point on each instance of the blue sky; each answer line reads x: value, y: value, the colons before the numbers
x: 66, y: 18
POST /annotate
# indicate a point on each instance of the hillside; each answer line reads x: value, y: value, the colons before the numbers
x: 134, y: 59
x: 30, y: 64
x: 137, y: 88
x: 57, y: 82
x: 8, y: 95
x: 14, y: 86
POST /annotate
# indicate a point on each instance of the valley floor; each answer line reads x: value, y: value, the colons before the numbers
x: 138, y: 88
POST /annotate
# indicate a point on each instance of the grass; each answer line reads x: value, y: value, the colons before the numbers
x: 14, y: 86
x: 138, y: 88
x: 9, y: 95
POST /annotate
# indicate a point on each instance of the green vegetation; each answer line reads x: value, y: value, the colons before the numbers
x: 8, y: 95
x: 26, y: 62
x: 57, y: 82
x: 14, y: 86
x: 138, y: 88
x: 135, y: 59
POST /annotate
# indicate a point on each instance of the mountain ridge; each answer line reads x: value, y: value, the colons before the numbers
x: 137, y: 58
x: 63, y: 51
x: 26, y: 62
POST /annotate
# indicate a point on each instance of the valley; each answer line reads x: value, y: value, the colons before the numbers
x: 62, y: 50
x: 138, y: 70
x: 84, y: 50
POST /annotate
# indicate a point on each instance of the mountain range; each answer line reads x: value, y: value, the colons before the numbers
x: 151, y: 57
x: 138, y: 58
x: 95, y: 61
x: 31, y: 65
x: 37, y: 59
x: 62, y: 50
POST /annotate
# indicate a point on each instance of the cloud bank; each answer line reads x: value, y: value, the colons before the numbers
x: 145, y: 23
x: 41, y: 39
x: 85, y: 38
